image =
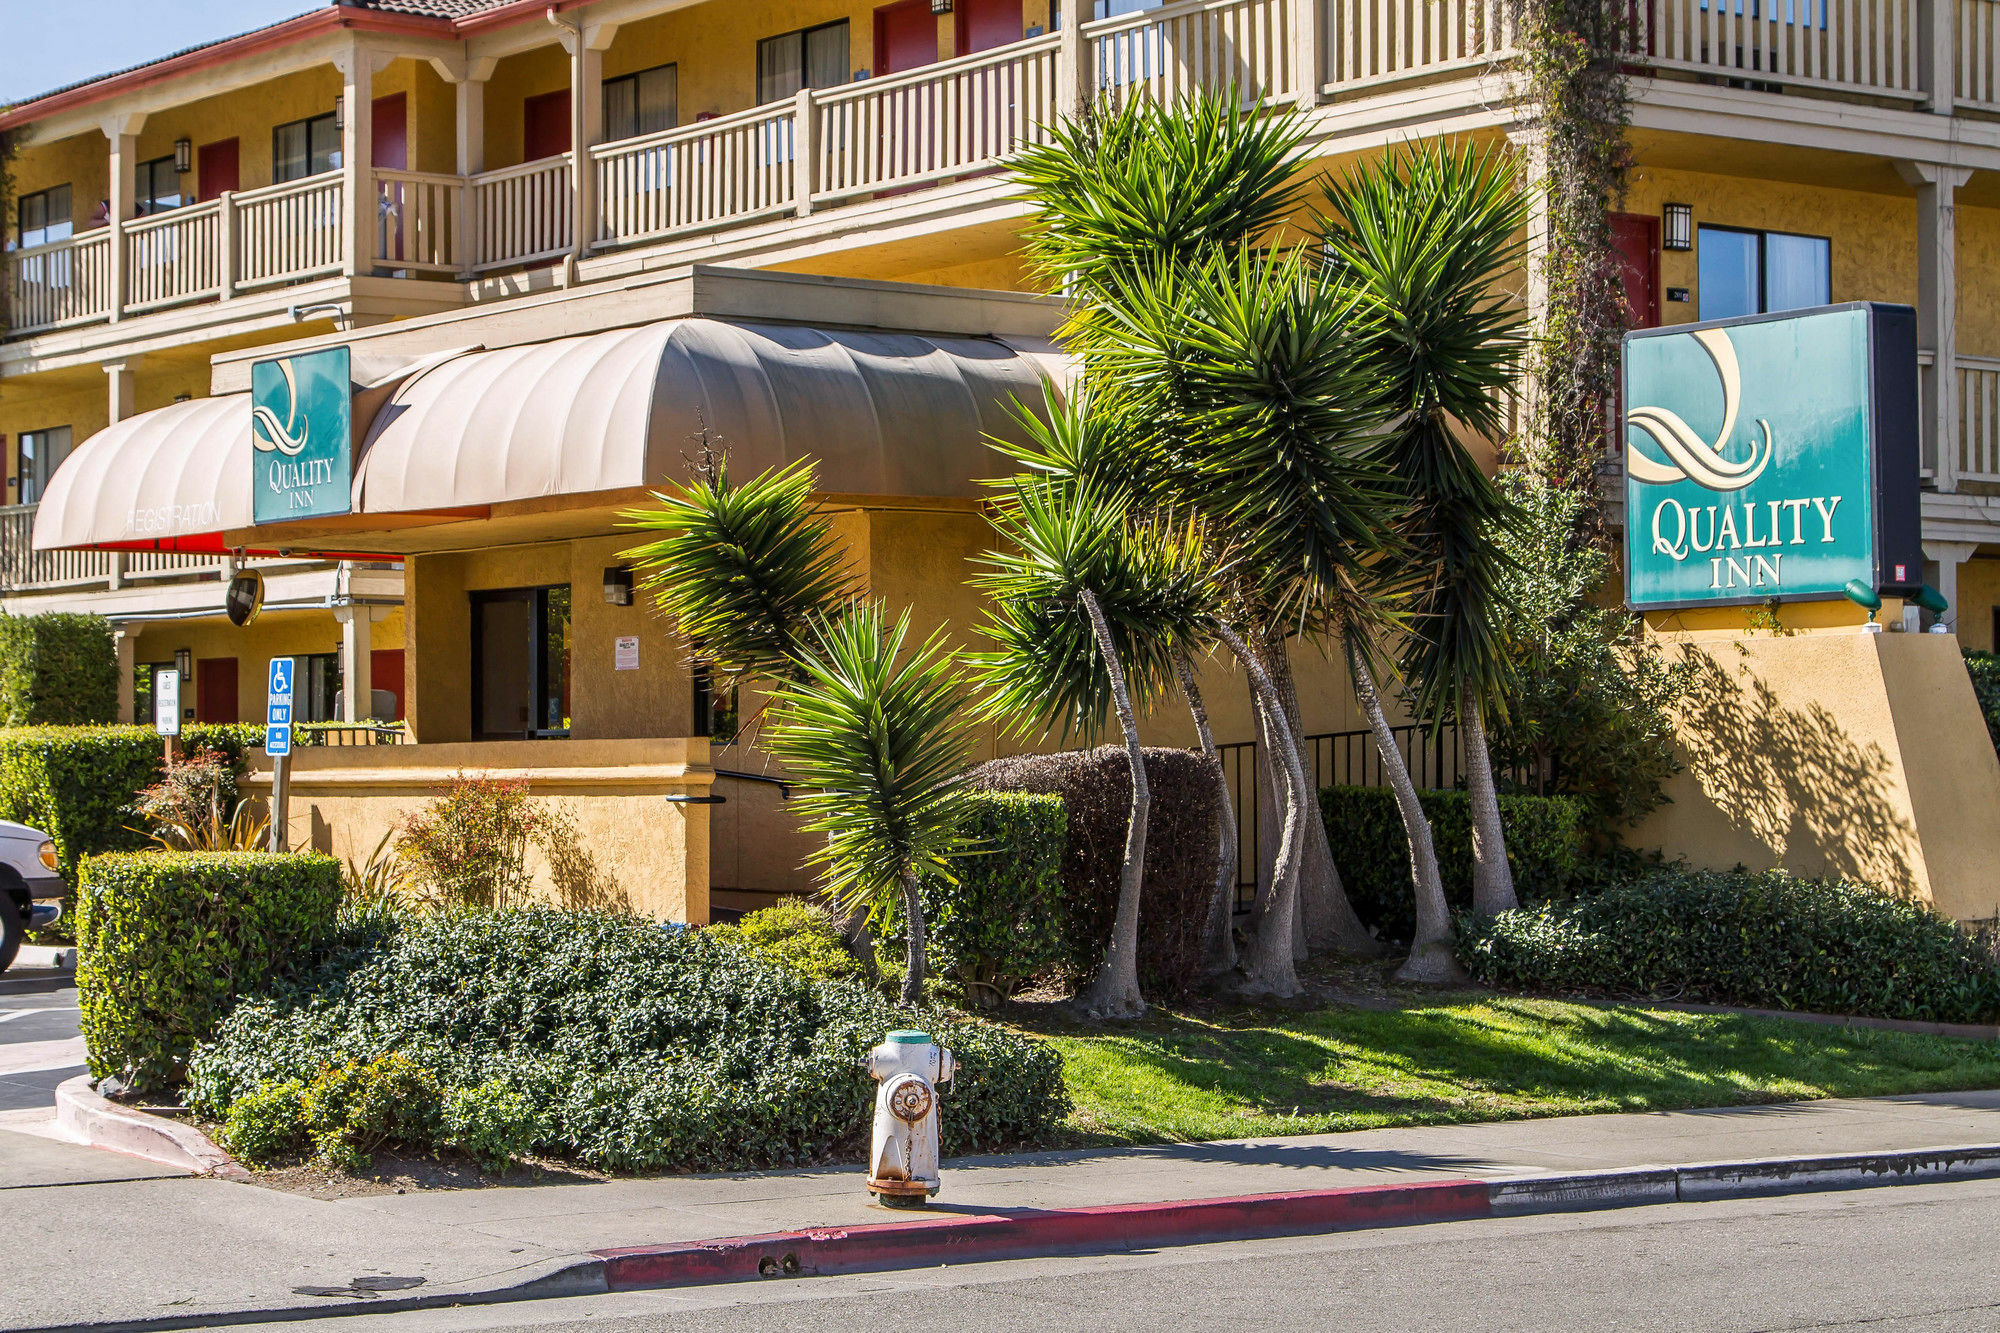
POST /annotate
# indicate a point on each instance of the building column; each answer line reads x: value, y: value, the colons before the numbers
x: 121, y: 378
x: 586, y: 44
x: 1949, y: 556
x: 1076, y: 82
x: 357, y: 698
x: 125, y: 640
x: 1937, y: 53
x: 468, y: 85
x: 363, y: 210
x: 123, y: 133
x: 1309, y: 50
x: 1937, y: 310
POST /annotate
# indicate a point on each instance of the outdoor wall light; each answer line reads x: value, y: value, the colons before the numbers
x: 183, y: 156
x: 339, y: 112
x: 940, y: 6
x: 618, y: 585
x: 184, y: 662
x: 1677, y: 227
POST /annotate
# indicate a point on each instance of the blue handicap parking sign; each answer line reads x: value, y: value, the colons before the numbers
x: 278, y: 708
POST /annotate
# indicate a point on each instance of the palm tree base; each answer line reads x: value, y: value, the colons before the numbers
x: 1432, y: 964
x: 1124, y: 1006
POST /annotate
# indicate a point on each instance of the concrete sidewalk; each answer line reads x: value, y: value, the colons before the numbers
x: 141, y: 1250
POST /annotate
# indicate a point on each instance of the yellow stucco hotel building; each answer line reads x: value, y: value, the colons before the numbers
x: 563, y: 239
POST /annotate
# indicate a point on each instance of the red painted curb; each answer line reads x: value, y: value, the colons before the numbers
x: 972, y: 1237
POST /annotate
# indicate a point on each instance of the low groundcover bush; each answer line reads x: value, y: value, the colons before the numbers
x: 1766, y: 939
x: 597, y: 1038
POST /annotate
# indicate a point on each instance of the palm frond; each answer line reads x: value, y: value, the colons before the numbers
x: 744, y: 571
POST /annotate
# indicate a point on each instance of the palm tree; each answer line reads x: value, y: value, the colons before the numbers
x: 1091, y: 610
x: 876, y: 741
x: 1424, y: 238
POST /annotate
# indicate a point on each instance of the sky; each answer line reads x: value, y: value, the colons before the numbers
x: 49, y: 43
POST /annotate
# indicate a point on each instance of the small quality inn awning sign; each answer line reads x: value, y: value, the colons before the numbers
x: 302, y: 436
x: 1772, y: 458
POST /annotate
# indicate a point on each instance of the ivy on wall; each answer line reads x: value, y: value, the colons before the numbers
x: 1579, y: 106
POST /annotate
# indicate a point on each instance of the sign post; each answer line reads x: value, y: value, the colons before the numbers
x: 167, y: 710
x: 278, y: 745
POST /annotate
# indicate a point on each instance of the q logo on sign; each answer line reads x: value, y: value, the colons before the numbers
x: 1690, y: 458
x: 273, y: 436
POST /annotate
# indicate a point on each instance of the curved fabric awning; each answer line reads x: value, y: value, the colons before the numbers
x: 883, y: 413
x: 173, y: 479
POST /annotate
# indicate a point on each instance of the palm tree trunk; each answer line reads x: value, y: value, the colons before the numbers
x: 1431, y: 957
x: 1328, y: 914
x: 1115, y: 993
x: 913, y: 909
x: 1218, y: 941
x: 1492, y: 879
x: 1287, y: 796
x: 1269, y: 968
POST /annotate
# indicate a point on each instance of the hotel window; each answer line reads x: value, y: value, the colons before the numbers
x: 808, y: 58
x: 642, y: 103
x: 715, y: 714
x: 44, y: 217
x: 1761, y: 272
x: 305, y: 148
x: 317, y: 688
x: 42, y: 452
x: 157, y: 187
x: 520, y: 663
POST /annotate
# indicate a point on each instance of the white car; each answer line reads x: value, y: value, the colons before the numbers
x: 30, y: 888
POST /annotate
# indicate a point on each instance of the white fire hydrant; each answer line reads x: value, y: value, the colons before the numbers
x: 903, y: 1161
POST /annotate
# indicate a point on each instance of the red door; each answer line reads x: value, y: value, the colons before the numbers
x: 217, y: 169
x: 545, y: 125
x: 391, y: 139
x: 1637, y: 239
x: 985, y: 24
x: 385, y: 672
x: 905, y: 37
x: 215, y: 689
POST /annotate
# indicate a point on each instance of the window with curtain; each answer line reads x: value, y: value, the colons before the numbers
x: 305, y: 148
x: 807, y: 58
x: 157, y: 187
x: 1761, y: 272
x: 42, y: 452
x: 44, y: 217
x: 642, y: 103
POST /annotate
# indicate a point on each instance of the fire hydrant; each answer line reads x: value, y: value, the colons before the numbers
x: 903, y: 1161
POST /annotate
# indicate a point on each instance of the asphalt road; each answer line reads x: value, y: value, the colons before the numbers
x: 1889, y: 1260
x: 39, y: 1045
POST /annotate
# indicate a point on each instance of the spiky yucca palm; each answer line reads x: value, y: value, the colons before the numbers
x: 1424, y: 238
x: 872, y: 730
x: 744, y: 570
x: 1091, y: 610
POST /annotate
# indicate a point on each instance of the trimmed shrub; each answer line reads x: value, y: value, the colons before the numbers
x: 608, y: 1040
x: 78, y: 784
x: 1181, y: 846
x: 57, y: 669
x: 1767, y: 940
x: 796, y: 934
x: 1984, y: 668
x: 1545, y: 836
x: 469, y: 846
x: 169, y: 940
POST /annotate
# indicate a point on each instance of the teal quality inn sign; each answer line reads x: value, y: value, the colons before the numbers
x: 1772, y: 458
x: 302, y: 436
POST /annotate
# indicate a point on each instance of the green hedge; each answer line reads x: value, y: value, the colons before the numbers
x: 608, y: 1040
x: 168, y: 941
x: 1001, y: 923
x: 57, y: 669
x: 1766, y: 940
x: 75, y: 783
x: 1545, y: 838
x: 1984, y: 668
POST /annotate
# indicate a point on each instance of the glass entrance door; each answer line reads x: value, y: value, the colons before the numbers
x: 520, y: 663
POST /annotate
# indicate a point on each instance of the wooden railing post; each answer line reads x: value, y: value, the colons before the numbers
x: 1073, y: 73
x: 225, y: 245
x: 1308, y: 50
x: 805, y: 151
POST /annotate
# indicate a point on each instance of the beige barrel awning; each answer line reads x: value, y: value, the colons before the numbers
x: 883, y: 413
x: 173, y: 479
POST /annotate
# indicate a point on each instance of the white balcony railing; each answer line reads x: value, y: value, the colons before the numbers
x: 417, y: 221
x: 173, y: 257
x: 61, y: 284
x: 24, y: 569
x: 731, y: 169
x: 1979, y: 418
x: 1371, y: 42
x: 1867, y: 46
x: 1185, y: 48
x: 1978, y: 77
x: 521, y: 215
x: 287, y: 232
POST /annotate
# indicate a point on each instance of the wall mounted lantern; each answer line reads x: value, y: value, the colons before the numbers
x: 618, y: 586
x: 184, y: 662
x: 940, y: 6
x: 1677, y: 227
x: 183, y: 156
x: 339, y: 112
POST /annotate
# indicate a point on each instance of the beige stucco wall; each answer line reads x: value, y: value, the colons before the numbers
x: 274, y: 634
x: 1843, y: 753
x: 651, y: 854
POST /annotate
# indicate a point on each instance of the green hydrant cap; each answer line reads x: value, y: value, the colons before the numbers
x: 908, y: 1038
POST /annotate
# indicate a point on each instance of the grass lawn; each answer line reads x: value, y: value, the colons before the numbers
x: 1232, y: 1074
